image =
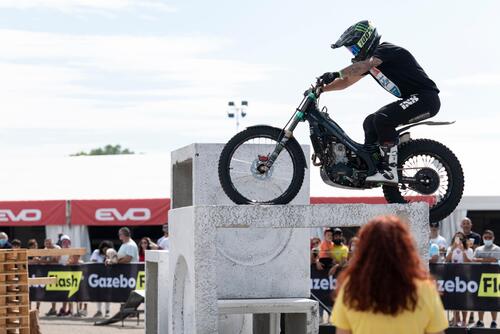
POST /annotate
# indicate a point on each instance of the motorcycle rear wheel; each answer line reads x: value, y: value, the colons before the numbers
x: 438, y: 173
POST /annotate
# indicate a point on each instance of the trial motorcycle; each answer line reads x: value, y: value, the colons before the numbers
x: 274, y: 173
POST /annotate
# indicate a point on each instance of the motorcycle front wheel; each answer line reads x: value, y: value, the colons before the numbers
x: 428, y: 171
x: 244, y: 182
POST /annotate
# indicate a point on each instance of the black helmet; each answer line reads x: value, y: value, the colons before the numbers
x: 361, y: 39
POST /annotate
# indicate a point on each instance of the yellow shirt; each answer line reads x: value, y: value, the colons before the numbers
x: 339, y: 253
x: 429, y: 316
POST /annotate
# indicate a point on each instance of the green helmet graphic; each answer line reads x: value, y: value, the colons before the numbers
x: 361, y: 39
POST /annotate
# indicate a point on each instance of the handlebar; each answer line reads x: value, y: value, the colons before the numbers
x: 318, y: 88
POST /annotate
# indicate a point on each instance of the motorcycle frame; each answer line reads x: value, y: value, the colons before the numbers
x: 308, y: 111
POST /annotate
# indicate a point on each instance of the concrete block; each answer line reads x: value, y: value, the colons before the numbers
x: 156, y: 302
x: 195, y: 256
x: 195, y: 178
x: 195, y: 182
x: 248, y: 253
x: 301, y: 315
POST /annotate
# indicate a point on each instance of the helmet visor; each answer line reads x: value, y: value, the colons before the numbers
x: 354, y: 49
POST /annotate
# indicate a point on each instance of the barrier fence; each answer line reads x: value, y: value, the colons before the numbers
x: 468, y: 286
x: 88, y: 282
x: 473, y: 286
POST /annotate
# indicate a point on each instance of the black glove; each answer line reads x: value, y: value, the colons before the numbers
x: 329, y: 77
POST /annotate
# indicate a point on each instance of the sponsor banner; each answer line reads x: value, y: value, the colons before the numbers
x: 93, y: 282
x: 120, y: 212
x: 32, y: 213
x: 474, y: 286
x: 468, y: 286
x: 323, y: 286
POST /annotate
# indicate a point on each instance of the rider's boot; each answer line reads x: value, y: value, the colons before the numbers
x: 387, y: 168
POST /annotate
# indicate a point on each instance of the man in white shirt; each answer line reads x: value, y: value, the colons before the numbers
x: 163, y: 242
x: 128, y: 251
x: 489, y: 252
x: 437, y: 239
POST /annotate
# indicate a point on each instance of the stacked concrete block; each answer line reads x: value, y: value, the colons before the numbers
x: 222, y: 254
x: 194, y: 249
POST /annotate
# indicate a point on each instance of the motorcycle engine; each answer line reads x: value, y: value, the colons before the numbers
x: 337, y: 171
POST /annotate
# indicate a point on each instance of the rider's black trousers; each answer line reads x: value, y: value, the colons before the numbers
x: 381, y: 126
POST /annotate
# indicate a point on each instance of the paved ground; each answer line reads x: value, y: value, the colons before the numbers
x: 56, y: 325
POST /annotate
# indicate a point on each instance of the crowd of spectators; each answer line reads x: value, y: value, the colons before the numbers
x: 128, y: 252
x: 332, y: 253
x: 466, y: 246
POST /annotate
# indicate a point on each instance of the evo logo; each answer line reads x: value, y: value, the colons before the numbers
x: 134, y: 214
x: 25, y: 215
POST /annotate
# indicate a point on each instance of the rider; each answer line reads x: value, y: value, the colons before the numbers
x: 398, y: 72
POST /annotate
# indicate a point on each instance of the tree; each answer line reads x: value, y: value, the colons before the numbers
x: 106, y: 150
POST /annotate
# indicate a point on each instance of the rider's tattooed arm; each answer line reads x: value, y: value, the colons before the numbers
x: 360, y: 67
x: 340, y: 84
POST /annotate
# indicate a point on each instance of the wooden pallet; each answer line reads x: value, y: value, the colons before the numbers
x: 14, y: 292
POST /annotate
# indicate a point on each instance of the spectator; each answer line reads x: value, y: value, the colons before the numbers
x: 469, y: 234
x: 325, y: 250
x: 111, y: 257
x: 33, y: 244
x: 339, y: 250
x: 434, y: 253
x: 353, y: 243
x: 58, y: 243
x: 99, y: 256
x: 67, y: 307
x: 48, y: 244
x: 4, y: 241
x: 473, y: 240
x: 16, y: 244
x: 315, y: 242
x: 459, y: 252
x: 437, y: 244
x: 314, y: 248
x: 128, y: 251
x: 436, y: 238
x: 487, y: 253
x: 381, y: 293
x: 145, y: 244
x: 163, y: 242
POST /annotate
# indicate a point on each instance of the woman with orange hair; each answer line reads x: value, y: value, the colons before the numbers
x: 385, y: 288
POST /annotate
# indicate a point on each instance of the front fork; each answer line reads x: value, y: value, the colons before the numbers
x: 287, y: 135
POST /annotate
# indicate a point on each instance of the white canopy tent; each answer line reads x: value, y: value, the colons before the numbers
x: 148, y: 176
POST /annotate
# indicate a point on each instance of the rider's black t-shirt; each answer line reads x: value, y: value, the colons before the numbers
x: 399, y: 73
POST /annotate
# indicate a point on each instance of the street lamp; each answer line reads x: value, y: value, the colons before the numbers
x: 237, y: 112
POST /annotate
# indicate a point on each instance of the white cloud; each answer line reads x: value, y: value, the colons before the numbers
x: 116, y: 82
x: 88, y: 5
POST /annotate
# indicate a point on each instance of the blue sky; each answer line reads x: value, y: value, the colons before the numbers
x: 155, y: 75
